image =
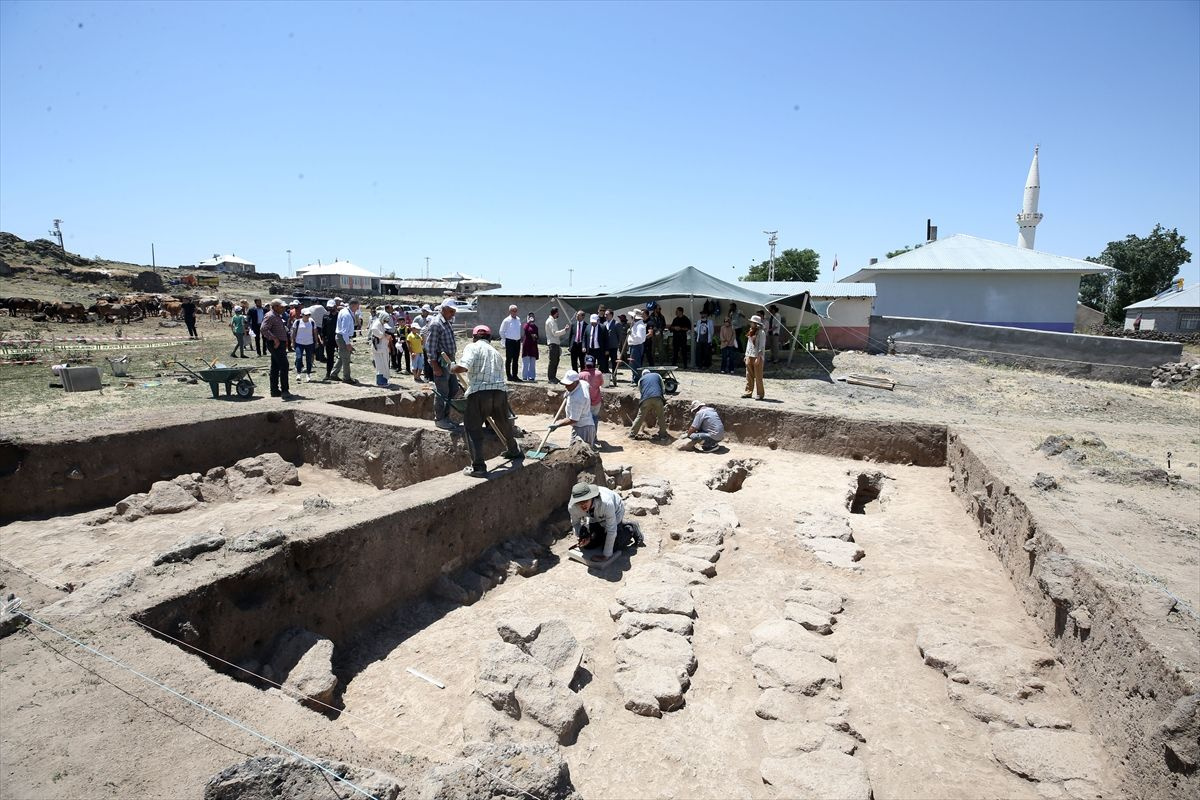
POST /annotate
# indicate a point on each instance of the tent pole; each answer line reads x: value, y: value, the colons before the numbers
x: 692, y: 333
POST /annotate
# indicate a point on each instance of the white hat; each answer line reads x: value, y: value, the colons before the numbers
x: 237, y: 309
x: 331, y: 303
x: 696, y: 406
x: 294, y: 303
x: 637, y: 313
x: 448, y: 304
x: 569, y: 378
x: 595, y: 318
x: 756, y: 319
x: 426, y: 308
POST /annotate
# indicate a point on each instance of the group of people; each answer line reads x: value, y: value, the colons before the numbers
x: 643, y: 338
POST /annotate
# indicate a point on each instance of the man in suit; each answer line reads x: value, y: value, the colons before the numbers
x: 578, y: 341
x: 596, y: 341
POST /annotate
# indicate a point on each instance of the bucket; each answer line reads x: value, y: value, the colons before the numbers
x: 120, y: 366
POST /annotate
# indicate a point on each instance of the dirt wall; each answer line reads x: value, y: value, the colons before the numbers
x: 333, y: 584
x: 66, y: 476
x: 1114, y: 658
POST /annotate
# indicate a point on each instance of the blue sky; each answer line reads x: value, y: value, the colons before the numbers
x: 620, y: 140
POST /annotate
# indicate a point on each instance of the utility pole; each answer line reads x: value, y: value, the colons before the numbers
x: 570, y: 277
x: 153, y: 264
x: 772, y: 239
x: 426, y: 266
x: 289, y: 252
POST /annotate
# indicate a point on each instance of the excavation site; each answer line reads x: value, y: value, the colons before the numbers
x: 316, y: 602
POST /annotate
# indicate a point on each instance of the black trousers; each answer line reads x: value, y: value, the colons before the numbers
x: 704, y: 355
x: 512, y: 359
x: 552, y: 369
x: 601, y: 357
x: 330, y: 354
x: 191, y: 325
x: 679, y: 351
x: 258, y: 340
x: 577, y: 356
x: 481, y: 406
x: 279, y: 368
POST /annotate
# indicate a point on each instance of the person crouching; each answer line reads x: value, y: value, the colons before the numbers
x: 598, y: 518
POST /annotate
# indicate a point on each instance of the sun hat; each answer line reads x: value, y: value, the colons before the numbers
x: 584, y: 491
x: 569, y: 378
x: 696, y: 406
x: 331, y: 303
x: 756, y: 319
x: 481, y: 330
x: 307, y: 312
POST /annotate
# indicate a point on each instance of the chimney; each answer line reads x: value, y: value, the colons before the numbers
x: 216, y: 255
x: 930, y: 231
x: 873, y: 262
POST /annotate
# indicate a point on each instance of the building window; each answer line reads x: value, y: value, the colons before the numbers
x: 1189, y: 322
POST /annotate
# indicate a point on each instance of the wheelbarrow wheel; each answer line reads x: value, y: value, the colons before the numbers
x: 245, y: 388
x: 671, y: 385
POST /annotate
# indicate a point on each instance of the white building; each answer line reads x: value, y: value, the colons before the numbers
x: 229, y: 263
x: 967, y: 279
x: 339, y: 276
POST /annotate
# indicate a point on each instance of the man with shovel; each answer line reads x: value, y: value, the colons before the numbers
x: 578, y: 412
x: 487, y: 399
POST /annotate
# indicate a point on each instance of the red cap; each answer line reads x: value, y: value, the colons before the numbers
x: 481, y: 329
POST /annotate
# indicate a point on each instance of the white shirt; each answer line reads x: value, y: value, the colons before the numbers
x: 554, y: 334
x: 637, y: 334
x: 756, y: 344
x: 579, y: 406
x: 302, y: 331
x: 510, y: 328
x: 318, y: 312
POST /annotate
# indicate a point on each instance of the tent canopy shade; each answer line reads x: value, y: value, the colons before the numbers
x: 689, y: 282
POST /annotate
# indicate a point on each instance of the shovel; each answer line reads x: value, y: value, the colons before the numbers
x: 541, y: 452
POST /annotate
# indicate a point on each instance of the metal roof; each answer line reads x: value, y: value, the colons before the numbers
x: 544, y: 291
x: 814, y: 288
x: 212, y: 262
x: 1172, y: 298
x: 338, y: 268
x: 963, y: 253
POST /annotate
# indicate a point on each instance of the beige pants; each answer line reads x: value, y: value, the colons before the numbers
x: 754, y: 377
x: 653, y: 405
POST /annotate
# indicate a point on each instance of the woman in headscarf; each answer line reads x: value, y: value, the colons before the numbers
x: 381, y: 326
x: 529, y: 349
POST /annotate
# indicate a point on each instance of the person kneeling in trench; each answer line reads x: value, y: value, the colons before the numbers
x: 706, y: 430
x: 598, y: 516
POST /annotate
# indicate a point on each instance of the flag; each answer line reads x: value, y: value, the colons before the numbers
x: 835, y: 262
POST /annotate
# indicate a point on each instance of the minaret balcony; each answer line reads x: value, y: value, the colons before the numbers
x: 1027, y: 218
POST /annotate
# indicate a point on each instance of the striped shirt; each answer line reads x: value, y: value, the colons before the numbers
x: 485, y: 369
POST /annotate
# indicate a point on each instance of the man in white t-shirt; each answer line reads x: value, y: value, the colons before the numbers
x: 637, y: 343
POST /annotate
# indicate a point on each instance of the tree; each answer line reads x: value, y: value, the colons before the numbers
x: 894, y: 253
x: 790, y: 265
x: 1146, y: 267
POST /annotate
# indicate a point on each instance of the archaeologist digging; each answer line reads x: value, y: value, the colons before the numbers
x: 706, y: 430
x: 487, y: 399
x: 650, y: 409
x: 578, y: 411
x: 598, y: 517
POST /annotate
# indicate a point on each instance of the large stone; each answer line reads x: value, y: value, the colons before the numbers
x: 634, y: 622
x: 810, y: 617
x: 508, y: 769
x: 1181, y: 730
x: 779, y: 704
x: 785, y: 739
x: 131, y: 506
x: 258, y: 540
x: 306, y: 660
x: 1001, y: 669
x: 166, y: 497
x: 709, y: 526
x: 783, y: 634
x: 547, y: 641
x: 191, y: 547
x: 291, y: 778
x: 797, y: 672
x: 823, y: 525
x: 730, y: 476
x: 1048, y: 755
x: 987, y: 707
x: 640, y: 506
x: 818, y: 598
x: 690, y: 564
x: 820, y: 774
x: 660, y: 647
x: 650, y: 689
x: 662, y: 571
x: 271, y: 467
x: 836, y: 553
x: 657, y: 599
x: 520, y: 686
x: 706, y: 552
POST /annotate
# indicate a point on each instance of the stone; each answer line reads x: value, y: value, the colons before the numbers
x: 1181, y: 730
x: 522, y: 686
x: 783, y: 634
x: 1041, y: 719
x: 657, y: 646
x: 190, y: 548
x: 796, y: 672
x: 524, y: 768
x: 474, y: 584
x: 823, y: 525
x: 633, y: 623
x: 1056, y: 445
x: 449, y: 590
x: 661, y: 571
x: 547, y: 641
x: 166, y: 497
x: 271, y: 467
x: 258, y: 540
x: 189, y: 483
x: 822, y: 773
x: 1000, y: 669
x: 731, y: 476
x: 987, y: 707
x: 131, y: 505
x: 706, y: 552
x: 818, y: 598
x: 784, y: 739
x: 650, y: 689
x: 657, y: 599
x: 312, y: 675
x: 690, y: 564
x: 317, y: 503
x: 640, y: 507
x: 1082, y: 618
x: 836, y: 553
x: 1048, y: 755
x: 1044, y: 482
x: 277, y: 777
x: 810, y: 617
